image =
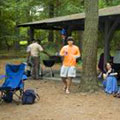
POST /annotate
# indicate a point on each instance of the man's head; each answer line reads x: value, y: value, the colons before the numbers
x: 34, y: 40
x: 70, y: 40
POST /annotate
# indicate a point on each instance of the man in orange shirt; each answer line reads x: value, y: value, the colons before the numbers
x: 70, y: 53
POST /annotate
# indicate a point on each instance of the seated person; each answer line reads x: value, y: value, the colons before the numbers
x: 110, y: 81
x: 101, y: 64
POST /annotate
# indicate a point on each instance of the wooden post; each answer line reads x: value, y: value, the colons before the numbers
x: 108, y: 35
x: 17, y: 31
x: 69, y: 33
x: 31, y: 33
x: 80, y: 38
x: 106, y: 41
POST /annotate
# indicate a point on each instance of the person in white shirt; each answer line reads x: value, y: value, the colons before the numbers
x: 33, y: 51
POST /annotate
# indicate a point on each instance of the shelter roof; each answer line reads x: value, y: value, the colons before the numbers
x: 56, y: 23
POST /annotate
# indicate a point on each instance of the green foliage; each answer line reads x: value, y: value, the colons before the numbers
x: 13, y: 12
x: 116, y: 2
x: 105, y: 3
x: 71, y: 7
x: 102, y: 4
x: 115, y: 43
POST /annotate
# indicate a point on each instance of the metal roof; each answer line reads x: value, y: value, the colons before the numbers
x: 59, y: 22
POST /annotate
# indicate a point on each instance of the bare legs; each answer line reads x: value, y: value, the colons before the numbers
x: 67, y: 83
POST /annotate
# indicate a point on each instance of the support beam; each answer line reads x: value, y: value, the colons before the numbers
x: 31, y: 33
x: 108, y: 35
x: 106, y: 41
x: 69, y: 33
x: 80, y: 38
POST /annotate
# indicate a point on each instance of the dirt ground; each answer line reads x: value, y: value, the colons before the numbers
x: 54, y: 104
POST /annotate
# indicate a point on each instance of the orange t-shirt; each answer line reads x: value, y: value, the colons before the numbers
x: 70, y: 53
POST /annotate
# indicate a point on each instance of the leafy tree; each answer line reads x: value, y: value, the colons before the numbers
x: 21, y: 11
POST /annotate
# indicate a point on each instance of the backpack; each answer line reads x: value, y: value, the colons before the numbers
x: 8, y: 97
x: 29, y: 96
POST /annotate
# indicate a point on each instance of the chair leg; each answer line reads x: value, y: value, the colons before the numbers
x: 1, y: 101
x: 18, y: 96
x: 14, y: 93
x: 21, y: 94
x: 1, y: 95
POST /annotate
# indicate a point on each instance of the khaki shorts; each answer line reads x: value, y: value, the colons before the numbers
x: 67, y: 71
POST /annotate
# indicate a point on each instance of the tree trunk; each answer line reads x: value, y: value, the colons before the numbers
x: 51, y: 15
x: 16, y: 40
x: 7, y: 44
x: 89, y: 77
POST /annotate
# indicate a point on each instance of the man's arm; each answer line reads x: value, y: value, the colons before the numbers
x: 28, y: 57
x: 77, y: 55
x: 29, y: 53
x: 62, y: 52
x: 46, y: 53
x: 42, y: 50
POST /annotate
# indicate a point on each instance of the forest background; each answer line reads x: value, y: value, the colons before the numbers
x: 15, y: 12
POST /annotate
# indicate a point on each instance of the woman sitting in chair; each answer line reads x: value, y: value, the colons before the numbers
x: 110, y: 81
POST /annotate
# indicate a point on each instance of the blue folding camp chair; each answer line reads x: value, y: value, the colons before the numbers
x: 13, y: 82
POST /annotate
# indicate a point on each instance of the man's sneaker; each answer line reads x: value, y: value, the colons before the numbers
x: 67, y: 91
